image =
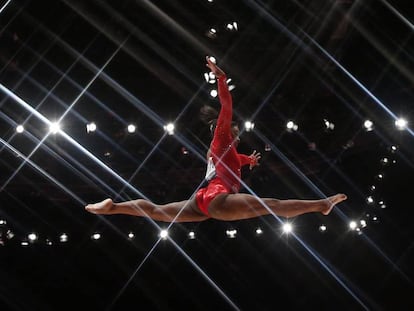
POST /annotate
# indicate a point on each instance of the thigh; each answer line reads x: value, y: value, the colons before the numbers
x: 237, y: 206
x: 184, y: 211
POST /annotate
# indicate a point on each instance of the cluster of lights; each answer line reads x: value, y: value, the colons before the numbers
x: 358, y: 226
x: 291, y: 126
x: 329, y: 126
x: 372, y: 203
x: 286, y: 228
x: 248, y: 126
x: 31, y: 238
x: 169, y: 128
x: 91, y: 127
x: 229, y: 27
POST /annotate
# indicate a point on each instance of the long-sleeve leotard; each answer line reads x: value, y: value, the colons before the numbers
x: 225, y: 157
x: 227, y: 162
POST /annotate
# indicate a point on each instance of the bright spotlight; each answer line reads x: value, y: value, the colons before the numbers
x: 328, y: 125
x: 401, y: 124
x: 131, y: 235
x: 353, y: 225
x: 191, y: 235
x: 131, y: 128
x: 32, y: 237
x: 259, y: 231
x: 19, y: 129
x: 231, y: 234
x: 287, y: 227
x: 232, y: 26
x: 249, y: 126
x: 96, y: 236
x: 368, y: 125
x: 211, y: 33
x: 213, y: 93
x: 169, y: 128
x: 384, y: 161
x: 63, y: 238
x: 370, y: 200
x: 164, y: 234
x: 291, y: 126
x: 54, y: 127
x: 323, y: 228
x: 210, y: 77
x: 90, y: 127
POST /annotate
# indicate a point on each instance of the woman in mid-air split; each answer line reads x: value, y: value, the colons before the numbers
x: 220, y: 198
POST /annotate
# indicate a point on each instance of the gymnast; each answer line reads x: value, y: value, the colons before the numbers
x: 220, y: 199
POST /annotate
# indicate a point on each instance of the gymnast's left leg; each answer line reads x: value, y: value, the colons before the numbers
x: 243, y: 206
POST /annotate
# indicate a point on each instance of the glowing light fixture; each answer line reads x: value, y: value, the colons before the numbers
x: 169, y: 128
x: 90, y: 127
x: 368, y: 125
x: 63, y: 238
x: 164, y: 234
x: 131, y: 128
x: 287, y: 227
x: 291, y: 126
x: 96, y: 236
x: 328, y: 125
x: 32, y: 237
x: 54, y: 127
x: 231, y: 234
x: 19, y: 129
x: 353, y: 225
x: 249, y: 126
x: 323, y: 228
x: 401, y: 124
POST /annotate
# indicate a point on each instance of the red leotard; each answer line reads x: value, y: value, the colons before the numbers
x: 226, y: 160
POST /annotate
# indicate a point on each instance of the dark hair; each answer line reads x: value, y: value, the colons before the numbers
x: 209, y: 116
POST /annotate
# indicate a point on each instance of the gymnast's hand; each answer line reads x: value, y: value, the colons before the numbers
x: 217, y: 71
x: 254, y: 159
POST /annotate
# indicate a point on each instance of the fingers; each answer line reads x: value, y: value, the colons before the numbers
x: 255, y: 157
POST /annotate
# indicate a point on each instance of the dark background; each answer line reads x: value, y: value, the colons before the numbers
x: 143, y: 62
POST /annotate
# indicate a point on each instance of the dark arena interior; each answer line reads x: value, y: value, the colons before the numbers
x: 101, y: 99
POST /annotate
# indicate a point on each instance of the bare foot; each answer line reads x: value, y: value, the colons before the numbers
x: 102, y: 207
x: 332, y: 201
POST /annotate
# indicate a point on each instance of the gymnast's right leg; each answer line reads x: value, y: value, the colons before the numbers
x: 183, y: 211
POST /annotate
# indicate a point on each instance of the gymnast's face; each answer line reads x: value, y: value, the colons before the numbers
x: 235, y: 132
